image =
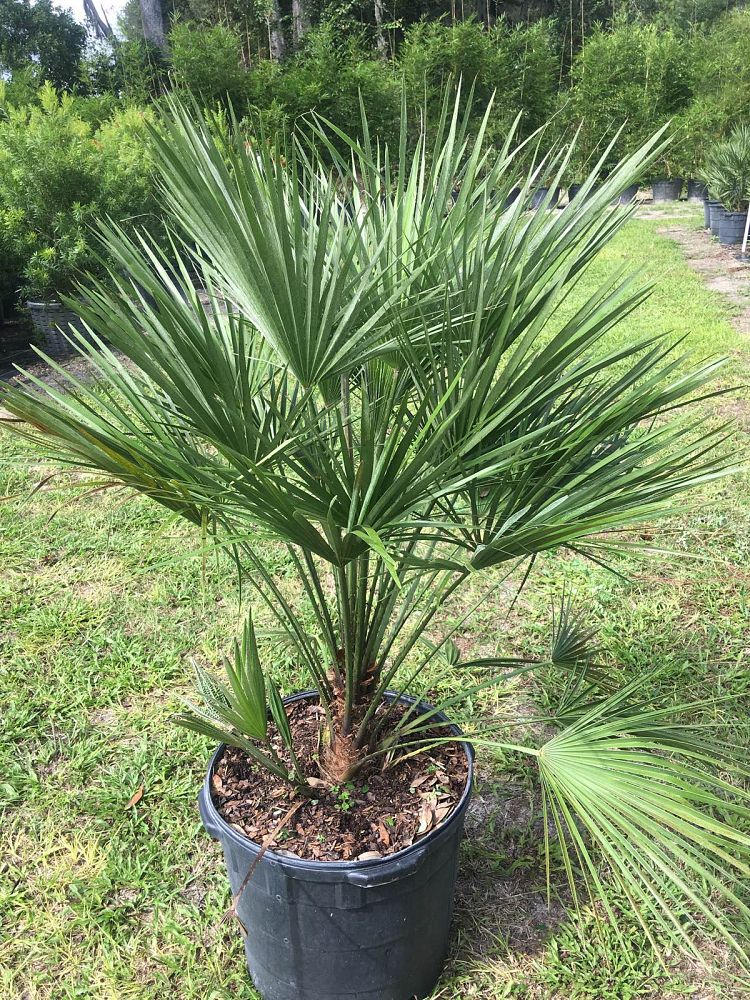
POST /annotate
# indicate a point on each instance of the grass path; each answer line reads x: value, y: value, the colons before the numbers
x: 100, y: 614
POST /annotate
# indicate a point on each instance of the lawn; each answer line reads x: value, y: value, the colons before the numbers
x: 108, y: 886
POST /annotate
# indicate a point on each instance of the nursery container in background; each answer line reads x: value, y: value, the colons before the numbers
x: 628, y: 194
x: 574, y: 191
x: 51, y: 322
x: 512, y: 197
x: 696, y: 191
x: 707, y: 211
x: 667, y: 190
x: 732, y: 228
x: 539, y: 195
x: 349, y: 930
x: 715, y: 213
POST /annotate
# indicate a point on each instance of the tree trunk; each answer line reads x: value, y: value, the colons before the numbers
x: 276, y: 41
x: 380, y: 32
x: 99, y: 21
x: 300, y: 21
x: 152, y: 21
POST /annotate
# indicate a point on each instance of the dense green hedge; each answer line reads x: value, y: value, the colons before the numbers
x: 66, y: 159
x: 58, y: 173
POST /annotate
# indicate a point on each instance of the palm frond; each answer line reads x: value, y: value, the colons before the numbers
x: 630, y: 790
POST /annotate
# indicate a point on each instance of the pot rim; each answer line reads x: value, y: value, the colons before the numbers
x: 443, y: 829
x: 45, y: 304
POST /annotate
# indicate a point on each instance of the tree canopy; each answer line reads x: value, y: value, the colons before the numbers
x: 42, y: 37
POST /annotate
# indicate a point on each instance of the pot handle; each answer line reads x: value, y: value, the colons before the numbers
x: 388, y: 873
x: 208, y: 821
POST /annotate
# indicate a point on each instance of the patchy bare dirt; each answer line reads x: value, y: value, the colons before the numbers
x: 718, y: 266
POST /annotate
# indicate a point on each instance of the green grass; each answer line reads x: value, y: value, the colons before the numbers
x: 101, y: 612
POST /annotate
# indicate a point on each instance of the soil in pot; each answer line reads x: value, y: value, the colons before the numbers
x: 380, y: 813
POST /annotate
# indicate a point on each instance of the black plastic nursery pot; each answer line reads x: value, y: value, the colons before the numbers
x: 696, y: 191
x: 512, y: 197
x: 573, y: 191
x: 628, y: 194
x: 715, y: 215
x: 541, y: 193
x: 52, y: 322
x: 344, y: 930
x: 732, y: 228
x: 667, y: 190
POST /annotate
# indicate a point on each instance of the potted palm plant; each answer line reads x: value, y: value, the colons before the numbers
x: 391, y: 396
x: 727, y: 176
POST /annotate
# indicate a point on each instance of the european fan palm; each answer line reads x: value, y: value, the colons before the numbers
x: 727, y: 170
x: 379, y: 380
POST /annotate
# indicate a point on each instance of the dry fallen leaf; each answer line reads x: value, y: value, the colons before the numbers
x: 426, y: 817
x: 419, y: 781
x: 441, y: 812
x: 369, y: 856
x: 383, y: 835
x: 135, y: 798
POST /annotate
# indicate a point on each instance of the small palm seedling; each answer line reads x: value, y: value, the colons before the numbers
x: 380, y: 380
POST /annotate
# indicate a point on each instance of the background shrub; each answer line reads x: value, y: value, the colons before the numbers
x: 518, y: 65
x: 636, y: 78
x: 208, y: 63
x: 327, y: 76
x: 57, y: 174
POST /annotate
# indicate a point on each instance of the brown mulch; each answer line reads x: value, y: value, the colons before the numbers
x: 377, y: 814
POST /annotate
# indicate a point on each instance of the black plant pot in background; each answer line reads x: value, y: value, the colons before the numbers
x: 667, y: 190
x: 539, y: 195
x: 573, y: 191
x: 512, y: 196
x: 628, y: 195
x: 696, y: 191
x: 715, y: 214
x: 344, y: 930
x: 52, y: 322
x: 732, y: 228
x: 707, y: 212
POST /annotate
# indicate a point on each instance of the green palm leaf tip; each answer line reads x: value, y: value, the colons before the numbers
x: 630, y: 790
x: 381, y: 382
